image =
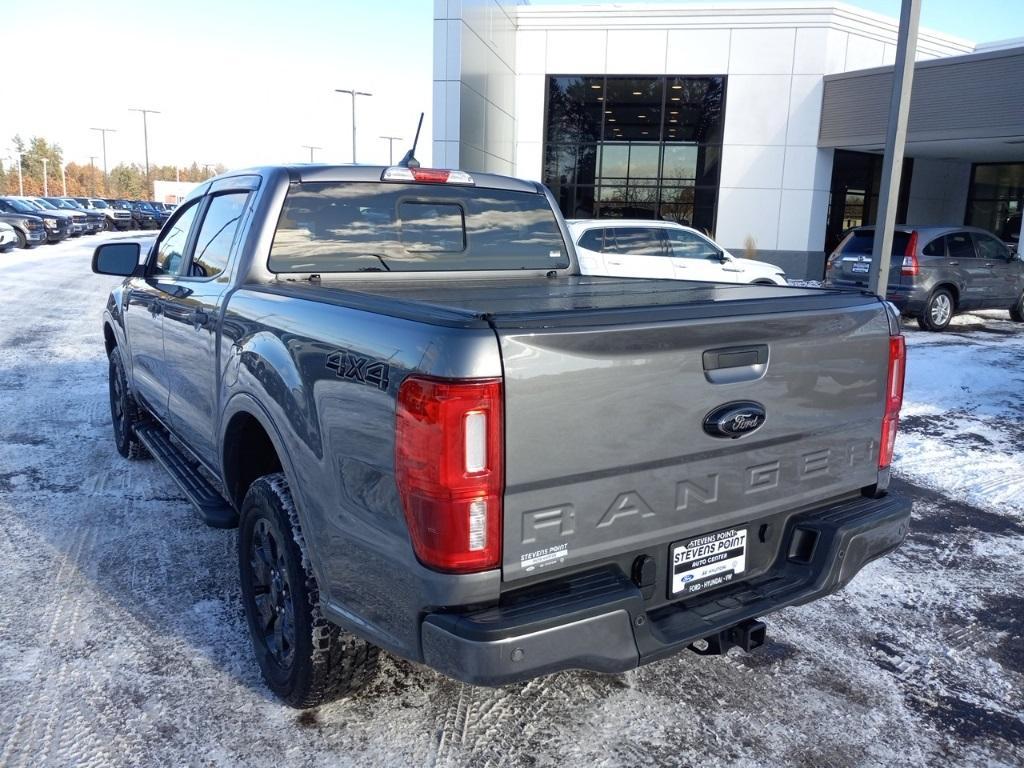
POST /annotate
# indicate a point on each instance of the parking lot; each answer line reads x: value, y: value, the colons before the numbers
x: 122, y: 639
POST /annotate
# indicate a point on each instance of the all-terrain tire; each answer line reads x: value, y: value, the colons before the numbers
x: 322, y: 662
x: 124, y: 411
x: 938, y: 311
x: 1017, y: 310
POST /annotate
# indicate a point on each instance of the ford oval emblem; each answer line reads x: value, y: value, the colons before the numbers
x: 735, y: 419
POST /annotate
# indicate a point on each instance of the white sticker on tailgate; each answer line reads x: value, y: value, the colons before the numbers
x: 708, y: 561
x: 553, y: 554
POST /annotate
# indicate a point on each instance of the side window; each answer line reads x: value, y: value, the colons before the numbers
x: 217, y: 233
x: 170, y: 249
x: 989, y: 248
x: 635, y: 241
x: 687, y: 245
x: 591, y: 240
x: 960, y: 246
x: 936, y: 247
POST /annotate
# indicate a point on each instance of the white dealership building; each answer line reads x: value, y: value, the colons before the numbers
x: 759, y: 123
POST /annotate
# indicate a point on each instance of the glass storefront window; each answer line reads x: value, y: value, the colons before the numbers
x: 637, y: 147
x: 996, y: 199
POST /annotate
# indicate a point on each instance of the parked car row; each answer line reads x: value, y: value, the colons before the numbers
x: 35, y: 220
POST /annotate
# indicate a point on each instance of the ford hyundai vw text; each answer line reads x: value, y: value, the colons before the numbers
x: 436, y: 437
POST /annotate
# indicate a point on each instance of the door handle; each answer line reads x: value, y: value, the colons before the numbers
x: 990, y: 263
x: 729, y: 365
x: 954, y: 263
x: 198, y: 318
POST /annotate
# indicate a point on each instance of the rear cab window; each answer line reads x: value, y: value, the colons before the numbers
x: 336, y: 227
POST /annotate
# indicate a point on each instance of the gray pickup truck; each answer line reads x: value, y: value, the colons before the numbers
x: 437, y: 438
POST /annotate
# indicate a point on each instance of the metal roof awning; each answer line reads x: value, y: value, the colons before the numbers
x: 966, y: 107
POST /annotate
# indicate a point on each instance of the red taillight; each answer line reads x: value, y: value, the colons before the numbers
x: 910, y: 264
x: 430, y: 174
x: 893, y: 399
x: 449, y: 466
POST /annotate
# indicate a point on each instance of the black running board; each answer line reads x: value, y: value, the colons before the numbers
x: 214, y: 510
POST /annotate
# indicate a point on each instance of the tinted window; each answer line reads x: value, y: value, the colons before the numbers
x: 936, y: 247
x: 959, y: 246
x: 636, y: 241
x: 686, y: 245
x: 432, y: 227
x: 990, y: 248
x: 217, y: 233
x: 862, y: 241
x: 171, y: 248
x: 591, y: 239
x: 361, y: 227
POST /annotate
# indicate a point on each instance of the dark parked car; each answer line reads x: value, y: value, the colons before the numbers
x: 29, y: 229
x: 936, y: 272
x: 145, y: 216
x: 56, y: 225
x: 94, y: 220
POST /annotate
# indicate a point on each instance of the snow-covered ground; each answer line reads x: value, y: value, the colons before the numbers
x: 122, y: 640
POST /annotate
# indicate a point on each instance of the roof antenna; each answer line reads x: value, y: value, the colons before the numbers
x: 409, y: 161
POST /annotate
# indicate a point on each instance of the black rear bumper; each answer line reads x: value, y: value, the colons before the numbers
x: 597, y: 620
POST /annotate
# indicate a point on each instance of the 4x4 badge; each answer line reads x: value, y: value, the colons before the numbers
x: 735, y: 419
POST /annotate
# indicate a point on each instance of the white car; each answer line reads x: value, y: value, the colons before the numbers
x: 661, y: 249
x: 8, y: 237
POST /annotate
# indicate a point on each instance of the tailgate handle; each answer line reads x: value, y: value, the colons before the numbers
x: 727, y: 365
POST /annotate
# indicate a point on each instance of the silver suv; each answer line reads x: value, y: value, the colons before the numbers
x: 936, y: 272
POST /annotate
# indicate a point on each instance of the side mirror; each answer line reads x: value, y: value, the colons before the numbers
x: 116, y: 259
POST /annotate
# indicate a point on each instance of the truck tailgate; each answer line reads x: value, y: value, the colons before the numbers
x: 605, y: 450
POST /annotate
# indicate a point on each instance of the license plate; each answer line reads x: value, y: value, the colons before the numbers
x: 860, y: 267
x: 708, y: 561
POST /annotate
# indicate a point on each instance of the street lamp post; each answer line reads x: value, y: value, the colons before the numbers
x: 310, y: 148
x: 104, y: 132
x: 145, y: 139
x: 391, y: 147
x: 46, y: 187
x: 353, y: 93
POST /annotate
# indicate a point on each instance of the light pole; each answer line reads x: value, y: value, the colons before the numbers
x: 391, y: 147
x: 46, y: 187
x: 104, y: 132
x: 145, y: 139
x: 310, y: 148
x: 895, y: 141
x: 353, y: 93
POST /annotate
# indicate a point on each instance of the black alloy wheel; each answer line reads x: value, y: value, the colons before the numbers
x: 272, y: 593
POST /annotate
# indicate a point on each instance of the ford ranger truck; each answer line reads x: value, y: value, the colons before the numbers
x: 437, y: 438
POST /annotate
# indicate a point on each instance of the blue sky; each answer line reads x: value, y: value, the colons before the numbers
x: 244, y: 82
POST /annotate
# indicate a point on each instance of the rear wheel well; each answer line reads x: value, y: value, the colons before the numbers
x: 248, y: 454
x: 109, y: 340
